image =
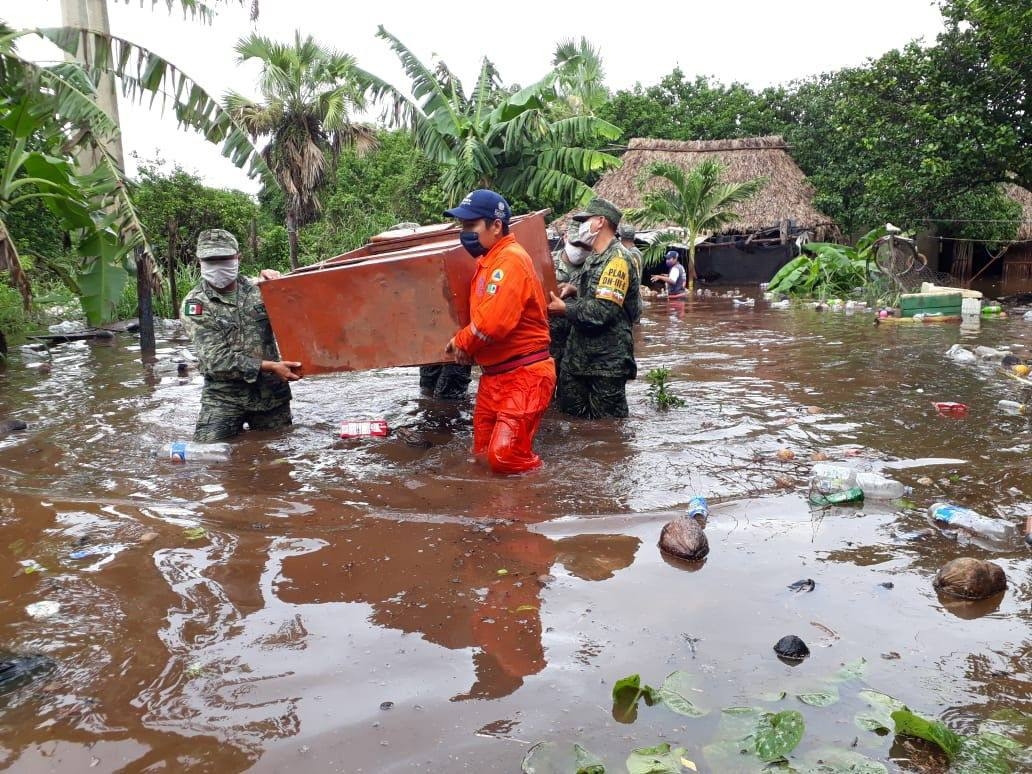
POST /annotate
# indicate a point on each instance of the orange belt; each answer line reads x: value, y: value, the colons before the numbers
x: 517, y: 362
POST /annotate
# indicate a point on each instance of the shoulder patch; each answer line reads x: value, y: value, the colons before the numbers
x: 496, y: 275
x: 612, y: 285
x: 193, y: 307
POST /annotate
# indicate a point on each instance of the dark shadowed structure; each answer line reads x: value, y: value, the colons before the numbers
x: 764, y: 236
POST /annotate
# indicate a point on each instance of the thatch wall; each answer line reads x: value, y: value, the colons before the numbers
x: 787, y: 194
x: 1023, y: 197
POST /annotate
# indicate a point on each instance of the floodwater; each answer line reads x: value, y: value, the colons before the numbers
x: 385, y: 605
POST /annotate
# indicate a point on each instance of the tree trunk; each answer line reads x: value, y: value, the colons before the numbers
x: 292, y: 235
x: 93, y: 15
x: 146, y: 310
x: 173, y: 249
x: 691, y: 264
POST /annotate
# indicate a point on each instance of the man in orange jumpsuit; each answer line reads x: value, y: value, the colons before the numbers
x: 507, y: 336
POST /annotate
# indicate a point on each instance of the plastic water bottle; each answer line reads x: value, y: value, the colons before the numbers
x: 879, y: 487
x: 844, y: 497
x: 189, y: 451
x: 828, y: 477
x: 972, y: 521
x: 1012, y: 407
x: 698, y: 508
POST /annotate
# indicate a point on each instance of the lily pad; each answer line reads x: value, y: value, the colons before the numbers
x: 675, y: 693
x: 551, y: 758
x: 852, y: 670
x: 879, y: 717
x: 834, y: 761
x: 777, y: 734
x: 819, y: 698
x: 660, y: 759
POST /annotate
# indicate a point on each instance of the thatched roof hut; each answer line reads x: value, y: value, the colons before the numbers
x: 1023, y: 197
x: 786, y: 196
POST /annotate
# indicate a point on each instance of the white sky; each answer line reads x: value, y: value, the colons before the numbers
x: 757, y: 42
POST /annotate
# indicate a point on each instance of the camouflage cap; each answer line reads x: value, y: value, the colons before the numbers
x: 600, y: 206
x: 216, y: 243
x: 626, y: 230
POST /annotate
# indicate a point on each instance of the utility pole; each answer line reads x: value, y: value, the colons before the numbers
x: 93, y: 15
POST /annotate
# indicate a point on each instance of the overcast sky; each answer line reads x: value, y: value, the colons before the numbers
x: 757, y: 42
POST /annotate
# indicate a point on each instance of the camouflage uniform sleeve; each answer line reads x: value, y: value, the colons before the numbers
x: 218, y: 358
x: 604, y: 305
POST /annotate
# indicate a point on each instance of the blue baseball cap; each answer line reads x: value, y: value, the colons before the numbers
x: 481, y: 203
x: 672, y: 254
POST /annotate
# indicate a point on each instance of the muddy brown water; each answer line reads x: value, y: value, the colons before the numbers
x: 374, y: 606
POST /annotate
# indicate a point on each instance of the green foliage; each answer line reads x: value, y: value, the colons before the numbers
x: 701, y: 109
x: 175, y: 206
x: 373, y: 191
x: 827, y: 270
x: 495, y: 137
x: 661, y: 759
x: 308, y: 93
x: 626, y: 693
x: 677, y: 692
x: 658, y: 394
x: 777, y: 734
x: 13, y: 318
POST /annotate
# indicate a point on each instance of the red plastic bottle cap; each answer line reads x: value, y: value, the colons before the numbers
x: 950, y: 409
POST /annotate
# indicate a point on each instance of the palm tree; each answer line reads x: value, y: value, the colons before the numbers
x: 308, y: 93
x: 581, y: 76
x: 695, y: 201
x: 496, y: 137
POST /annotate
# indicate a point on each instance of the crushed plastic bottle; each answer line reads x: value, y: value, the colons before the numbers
x: 698, y: 508
x: 828, y: 477
x: 1012, y: 407
x: 879, y: 487
x: 190, y: 451
x: 972, y: 521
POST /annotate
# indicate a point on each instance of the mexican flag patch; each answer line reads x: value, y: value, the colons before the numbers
x: 194, y: 308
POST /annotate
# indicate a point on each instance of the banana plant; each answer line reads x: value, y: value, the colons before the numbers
x: 51, y: 115
x: 496, y: 137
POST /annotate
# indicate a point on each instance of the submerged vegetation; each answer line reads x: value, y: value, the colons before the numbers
x: 766, y: 738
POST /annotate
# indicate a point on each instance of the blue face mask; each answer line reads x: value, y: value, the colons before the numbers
x: 471, y: 242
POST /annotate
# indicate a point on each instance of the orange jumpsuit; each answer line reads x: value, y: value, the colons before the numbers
x: 508, y: 338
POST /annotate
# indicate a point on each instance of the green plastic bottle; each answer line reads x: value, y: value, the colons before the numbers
x: 995, y: 309
x: 846, y: 496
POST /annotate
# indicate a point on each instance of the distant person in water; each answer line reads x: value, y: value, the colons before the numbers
x: 675, y: 278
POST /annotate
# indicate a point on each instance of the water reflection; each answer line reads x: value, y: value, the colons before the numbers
x: 455, y: 587
x: 331, y: 577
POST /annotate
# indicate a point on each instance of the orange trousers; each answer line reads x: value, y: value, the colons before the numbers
x: 507, y: 415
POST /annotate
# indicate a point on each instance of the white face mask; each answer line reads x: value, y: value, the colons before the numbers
x: 585, y: 235
x: 575, y: 254
x: 220, y: 274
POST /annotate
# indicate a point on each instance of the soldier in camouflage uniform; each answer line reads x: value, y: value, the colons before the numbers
x: 627, y: 232
x: 244, y: 379
x: 569, y: 263
x: 601, y: 307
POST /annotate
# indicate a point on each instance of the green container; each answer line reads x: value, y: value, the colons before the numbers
x: 854, y: 495
x: 930, y: 302
x: 938, y: 311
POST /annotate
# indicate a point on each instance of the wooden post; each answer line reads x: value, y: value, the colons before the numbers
x: 173, y: 249
x: 146, y: 310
